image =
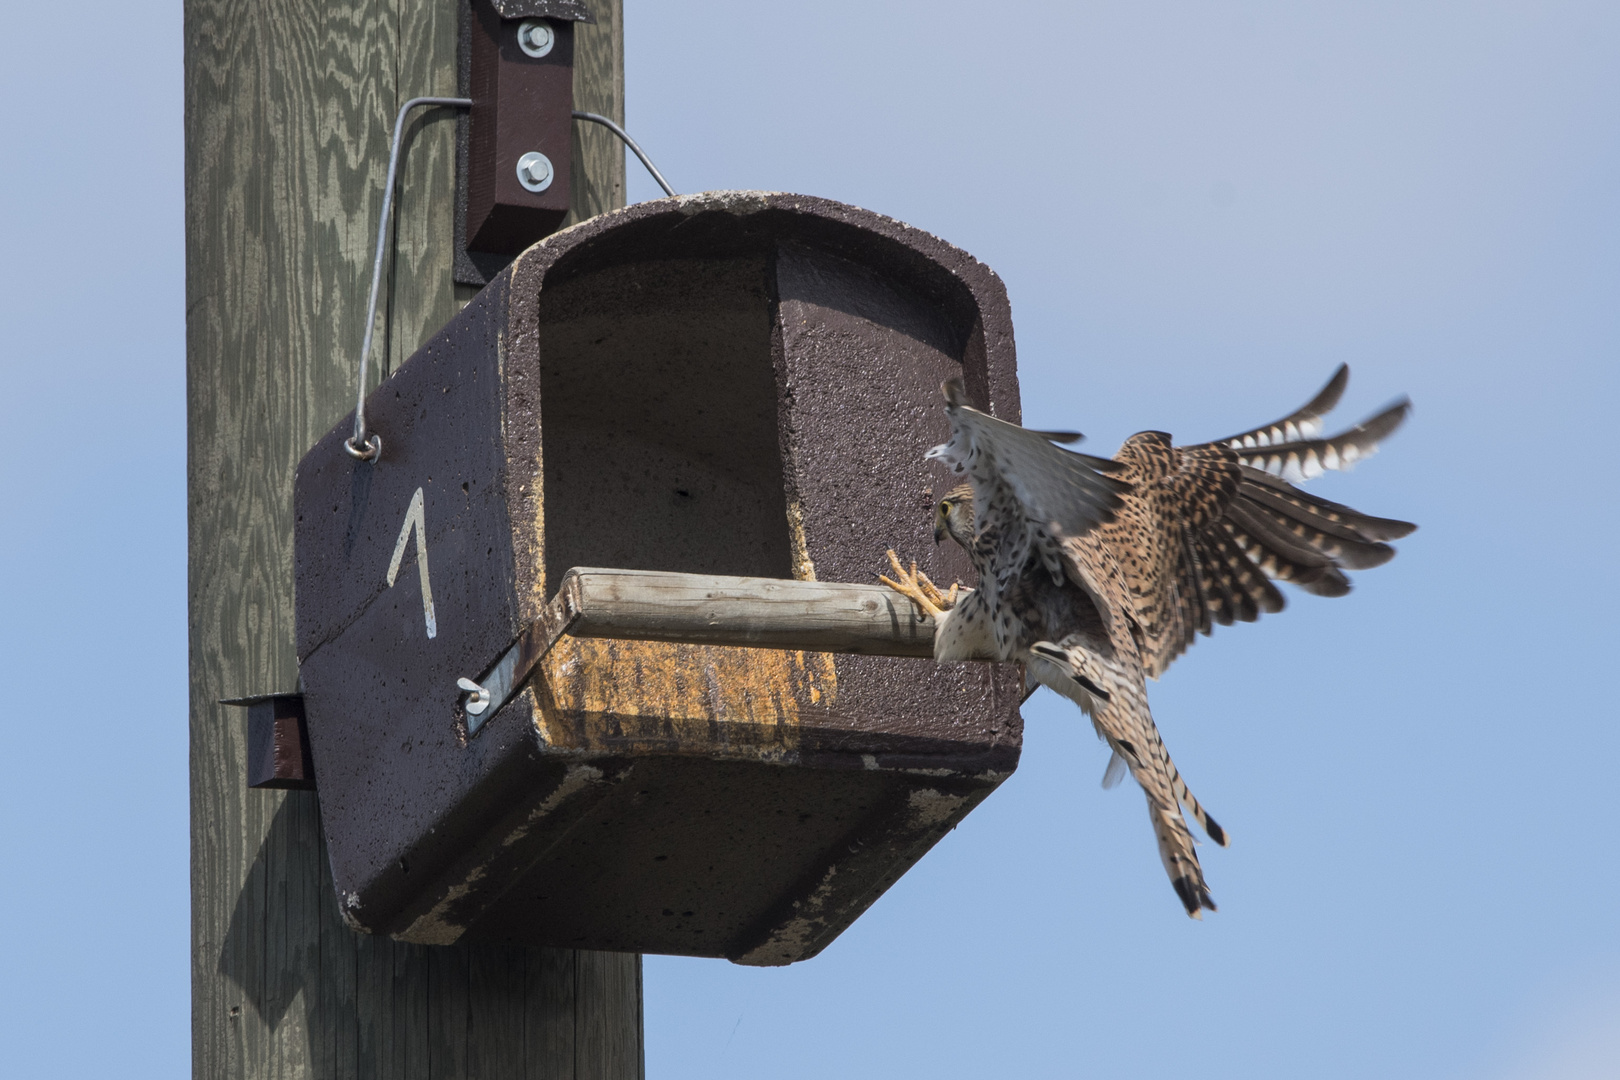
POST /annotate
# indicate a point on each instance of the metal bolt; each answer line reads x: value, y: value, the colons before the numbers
x: 536, y: 38
x: 534, y: 171
x: 478, y: 697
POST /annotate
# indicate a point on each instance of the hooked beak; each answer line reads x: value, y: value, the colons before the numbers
x: 939, y: 533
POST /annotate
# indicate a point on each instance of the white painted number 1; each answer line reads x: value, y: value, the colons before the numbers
x: 415, y: 518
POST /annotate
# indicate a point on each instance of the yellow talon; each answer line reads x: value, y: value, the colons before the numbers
x: 914, y: 585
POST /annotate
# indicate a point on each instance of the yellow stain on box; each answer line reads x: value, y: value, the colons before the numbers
x: 602, y: 694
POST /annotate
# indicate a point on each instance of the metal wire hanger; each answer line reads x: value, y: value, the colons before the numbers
x: 367, y: 446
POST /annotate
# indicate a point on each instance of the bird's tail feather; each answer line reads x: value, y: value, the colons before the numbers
x: 1154, y: 757
x: 1115, y: 772
x: 1123, y: 720
x: 1180, y: 861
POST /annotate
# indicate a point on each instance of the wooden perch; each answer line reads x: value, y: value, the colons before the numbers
x: 707, y: 609
x: 769, y: 613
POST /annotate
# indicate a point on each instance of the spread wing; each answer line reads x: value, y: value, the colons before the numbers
x: 1303, y: 423
x: 1032, y: 492
x: 1214, y: 524
x: 1033, y: 499
x: 1304, y: 459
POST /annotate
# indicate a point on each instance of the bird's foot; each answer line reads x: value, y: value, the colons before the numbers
x: 915, y: 586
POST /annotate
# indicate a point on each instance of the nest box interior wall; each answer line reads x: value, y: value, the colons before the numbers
x: 660, y: 433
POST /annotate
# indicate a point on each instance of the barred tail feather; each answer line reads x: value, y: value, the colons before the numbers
x: 1180, y: 860
x: 1162, y: 765
x: 1177, y: 848
x: 1122, y: 718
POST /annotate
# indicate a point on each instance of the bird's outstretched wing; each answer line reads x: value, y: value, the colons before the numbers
x: 1031, y: 491
x: 1033, y: 500
x: 1207, y: 528
x: 1305, y: 459
x: 1303, y: 423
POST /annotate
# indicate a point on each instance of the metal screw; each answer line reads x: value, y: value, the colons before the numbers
x: 534, y: 171
x: 478, y: 697
x: 536, y: 38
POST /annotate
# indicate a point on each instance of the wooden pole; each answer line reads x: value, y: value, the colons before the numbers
x: 289, y: 110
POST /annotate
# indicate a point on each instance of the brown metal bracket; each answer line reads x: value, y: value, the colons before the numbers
x: 514, y: 147
x: 278, y: 743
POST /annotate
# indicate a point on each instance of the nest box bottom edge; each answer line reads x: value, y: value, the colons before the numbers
x: 759, y: 862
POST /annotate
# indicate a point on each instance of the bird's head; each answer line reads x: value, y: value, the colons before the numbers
x: 953, y: 516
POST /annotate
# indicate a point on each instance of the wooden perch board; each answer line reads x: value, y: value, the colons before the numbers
x: 771, y: 613
x: 707, y: 609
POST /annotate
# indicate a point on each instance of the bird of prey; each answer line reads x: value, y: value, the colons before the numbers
x: 1095, y: 573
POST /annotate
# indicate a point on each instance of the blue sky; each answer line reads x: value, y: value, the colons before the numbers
x: 1199, y: 210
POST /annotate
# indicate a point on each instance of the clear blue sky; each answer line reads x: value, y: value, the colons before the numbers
x: 1199, y: 209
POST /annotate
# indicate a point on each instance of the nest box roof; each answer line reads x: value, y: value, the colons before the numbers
x: 570, y: 10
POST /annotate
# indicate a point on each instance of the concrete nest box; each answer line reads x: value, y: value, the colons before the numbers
x: 736, y: 385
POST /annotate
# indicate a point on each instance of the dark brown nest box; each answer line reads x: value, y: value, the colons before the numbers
x: 734, y: 384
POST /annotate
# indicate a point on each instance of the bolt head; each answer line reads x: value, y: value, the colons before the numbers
x: 536, y: 37
x: 534, y: 171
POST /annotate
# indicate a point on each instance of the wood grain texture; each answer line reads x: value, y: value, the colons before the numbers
x: 289, y: 111
x: 418, y: 300
x: 744, y: 612
x: 598, y: 168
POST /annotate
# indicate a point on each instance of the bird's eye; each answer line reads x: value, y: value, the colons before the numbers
x: 945, y: 506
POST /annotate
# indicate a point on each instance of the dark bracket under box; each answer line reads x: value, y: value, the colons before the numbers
x: 732, y: 383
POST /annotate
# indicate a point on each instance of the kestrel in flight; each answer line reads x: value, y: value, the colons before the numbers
x: 1095, y: 573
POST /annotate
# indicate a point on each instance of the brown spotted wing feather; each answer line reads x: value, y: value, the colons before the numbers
x: 1204, y: 530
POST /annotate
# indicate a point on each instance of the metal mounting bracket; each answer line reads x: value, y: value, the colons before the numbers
x: 278, y: 742
x: 514, y: 147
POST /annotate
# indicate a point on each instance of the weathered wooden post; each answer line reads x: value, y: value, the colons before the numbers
x: 289, y: 111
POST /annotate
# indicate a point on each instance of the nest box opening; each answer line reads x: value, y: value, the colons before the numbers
x: 659, y: 420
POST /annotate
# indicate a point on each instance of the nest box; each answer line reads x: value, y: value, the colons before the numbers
x: 726, y: 386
